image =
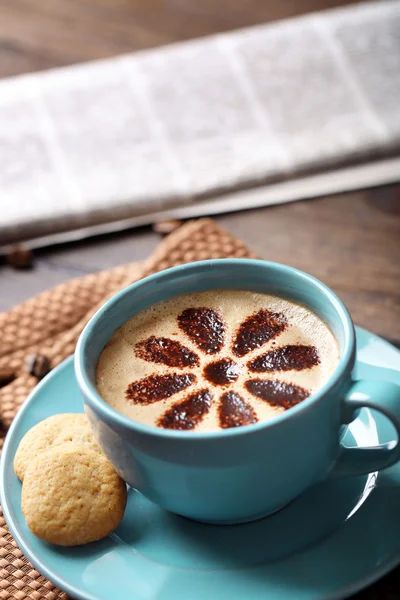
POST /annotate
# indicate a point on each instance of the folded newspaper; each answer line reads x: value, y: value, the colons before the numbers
x: 266, y: 114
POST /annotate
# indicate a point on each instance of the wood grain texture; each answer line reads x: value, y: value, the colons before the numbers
x: 40, y: 34
x: 349, y: 241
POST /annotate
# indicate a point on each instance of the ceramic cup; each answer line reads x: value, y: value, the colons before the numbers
x: 239, y: 474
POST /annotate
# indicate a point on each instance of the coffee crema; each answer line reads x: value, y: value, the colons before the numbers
x: 214, y: 360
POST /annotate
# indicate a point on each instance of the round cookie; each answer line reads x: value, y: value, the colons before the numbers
x: 72, y: 495
x: 53, y: 432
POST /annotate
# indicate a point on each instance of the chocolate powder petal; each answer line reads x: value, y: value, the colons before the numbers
x: 277, y: 393
x: 205, y: 327
x: 166, y: 351
x: 294, y: 357
x: 258, y: 329
x: 233, y: 411
x: 157, y: 387
x: 187, y: 413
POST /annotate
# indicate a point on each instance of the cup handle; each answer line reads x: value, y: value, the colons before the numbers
x: 379, y: 395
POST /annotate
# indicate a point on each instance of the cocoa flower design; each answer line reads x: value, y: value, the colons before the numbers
x: 206, y: 329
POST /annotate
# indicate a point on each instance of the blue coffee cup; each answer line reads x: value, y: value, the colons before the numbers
x: 244, y: 473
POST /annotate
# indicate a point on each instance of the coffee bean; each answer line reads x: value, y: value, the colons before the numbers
x: 166, y: 227
x: 37, y: 365
x: 19, y: 257
x: 6, y: 376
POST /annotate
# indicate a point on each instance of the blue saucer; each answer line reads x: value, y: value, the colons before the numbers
x: 337, y: 538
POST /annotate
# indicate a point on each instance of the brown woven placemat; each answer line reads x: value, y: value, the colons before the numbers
x: 50, y: 324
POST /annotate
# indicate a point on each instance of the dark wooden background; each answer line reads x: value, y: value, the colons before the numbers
x: 351, y: 241
x: 40, y: 34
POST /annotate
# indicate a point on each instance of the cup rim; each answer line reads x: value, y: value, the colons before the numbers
x: 109, y: 414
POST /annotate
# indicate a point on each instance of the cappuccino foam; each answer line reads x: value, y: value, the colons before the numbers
x: 215, y: 359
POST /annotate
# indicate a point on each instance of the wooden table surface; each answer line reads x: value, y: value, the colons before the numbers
x: 350, y: 241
